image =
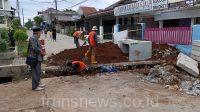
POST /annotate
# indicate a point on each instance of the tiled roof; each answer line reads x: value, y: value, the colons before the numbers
x: 88, y: 10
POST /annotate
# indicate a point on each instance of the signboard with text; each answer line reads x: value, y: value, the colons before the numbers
x: 140, y: 6
x: 160, y: 4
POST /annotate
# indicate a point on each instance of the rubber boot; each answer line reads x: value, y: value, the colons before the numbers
x: 93, y: 59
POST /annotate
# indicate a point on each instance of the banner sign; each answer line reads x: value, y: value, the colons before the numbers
x: 140, y: 6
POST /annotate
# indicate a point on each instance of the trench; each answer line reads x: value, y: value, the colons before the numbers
x: 5, y: 80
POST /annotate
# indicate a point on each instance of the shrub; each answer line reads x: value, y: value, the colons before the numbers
x: 20, y: 35
x: 3, y: 45
x: 4, y: 33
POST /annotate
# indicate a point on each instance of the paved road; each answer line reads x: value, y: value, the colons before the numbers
x: 63, y: 42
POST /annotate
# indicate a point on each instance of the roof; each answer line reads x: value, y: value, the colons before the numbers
x: 88, y: 10
x: 52, y: 10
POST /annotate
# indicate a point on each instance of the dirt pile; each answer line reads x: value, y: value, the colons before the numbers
x: 105, y: 53
x: 164, y: 52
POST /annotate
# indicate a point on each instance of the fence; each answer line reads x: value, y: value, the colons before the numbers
x: 173, y: 35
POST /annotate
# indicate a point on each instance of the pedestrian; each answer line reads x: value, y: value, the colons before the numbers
x: 45, y: 32
x: 93, y: 41
x: 35, y: 56
x: 76, y: 67
x: 54, y: 34
x: 49, y: 33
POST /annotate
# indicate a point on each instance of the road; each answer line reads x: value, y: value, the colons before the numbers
x: 120, y: 92
x: 63, y: 42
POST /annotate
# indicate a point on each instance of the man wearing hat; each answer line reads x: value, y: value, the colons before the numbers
x: 92, y: 39
x: 35, y: 50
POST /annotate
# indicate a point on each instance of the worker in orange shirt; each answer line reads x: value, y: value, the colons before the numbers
x: 76, y: 67
x: 93, y: 41
x: 76, y: 37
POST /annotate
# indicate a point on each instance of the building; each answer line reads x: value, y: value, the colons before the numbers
x: 6, y: 13
x: 129, y: 14
x: 64, y: 18
x: 84, y: 11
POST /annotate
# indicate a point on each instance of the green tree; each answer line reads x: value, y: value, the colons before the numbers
x: 4, y: 33
x: 38, y: 20
x: 29, y: 24
x: 16, y: 24
x: 20, y: 36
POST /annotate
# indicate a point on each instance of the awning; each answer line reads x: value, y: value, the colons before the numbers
x: 5, y: 13
x: 178, y: 14
x: 174, y: 1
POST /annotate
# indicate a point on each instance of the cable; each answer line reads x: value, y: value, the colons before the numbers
x: 78, y: 4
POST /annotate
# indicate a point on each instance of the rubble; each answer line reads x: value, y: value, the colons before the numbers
x: 188, y: 64
x: 164, y: 52
x: 191, y: 88
x: 163, y: 75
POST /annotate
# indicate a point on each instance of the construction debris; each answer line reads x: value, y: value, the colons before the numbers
x: 163, y: 75
x: 164, y: 52
x: 188, y: 64
x: 191, y: 88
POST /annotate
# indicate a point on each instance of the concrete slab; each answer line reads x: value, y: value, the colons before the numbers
x: 138, y: 50
x: 188, y: 64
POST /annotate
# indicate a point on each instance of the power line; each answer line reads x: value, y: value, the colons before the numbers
x: 78, y: 4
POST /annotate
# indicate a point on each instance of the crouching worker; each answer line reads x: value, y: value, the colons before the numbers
x: 76, y: 67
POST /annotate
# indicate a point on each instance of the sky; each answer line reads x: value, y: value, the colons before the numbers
x: 31, y: 7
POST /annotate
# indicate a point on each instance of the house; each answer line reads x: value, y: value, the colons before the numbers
x: 129, y: 14
x: 85, y: 11
x: 6, y: 13
x: 64, y: 18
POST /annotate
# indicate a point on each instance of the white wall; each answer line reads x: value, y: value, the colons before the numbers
x: 7, y: 5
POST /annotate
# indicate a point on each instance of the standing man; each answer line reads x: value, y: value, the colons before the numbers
x: 35, y: 50
x: 54, y: 33
x: 93, y: 41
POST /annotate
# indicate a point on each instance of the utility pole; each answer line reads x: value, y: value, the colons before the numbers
x: 23, y: 15
x: 56, y: 18
x: 18, y: 9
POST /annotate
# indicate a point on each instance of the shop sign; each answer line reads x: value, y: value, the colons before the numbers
x: 140, y: 6
x: 160, y: 4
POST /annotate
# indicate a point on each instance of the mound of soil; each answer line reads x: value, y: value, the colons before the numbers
x: 105, y: 53
x: 164, y: 52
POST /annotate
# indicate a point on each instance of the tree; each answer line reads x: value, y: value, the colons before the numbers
x: 16, y: 24
x: 20, y: 36
x: 38, y: 20
x: 4, y: 33
x: 29, y: 24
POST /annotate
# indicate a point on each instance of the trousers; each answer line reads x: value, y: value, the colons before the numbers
x: 36, y: 74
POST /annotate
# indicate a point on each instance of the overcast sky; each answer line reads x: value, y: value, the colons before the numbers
x: 32, y: 6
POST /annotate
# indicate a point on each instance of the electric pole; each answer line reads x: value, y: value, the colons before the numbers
x: 18, y: 9
x: 23, y: 15
x: 56, y: 18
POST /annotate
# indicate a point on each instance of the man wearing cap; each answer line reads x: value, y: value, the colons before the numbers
x: 35, y: 50
x: 92, y: 39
